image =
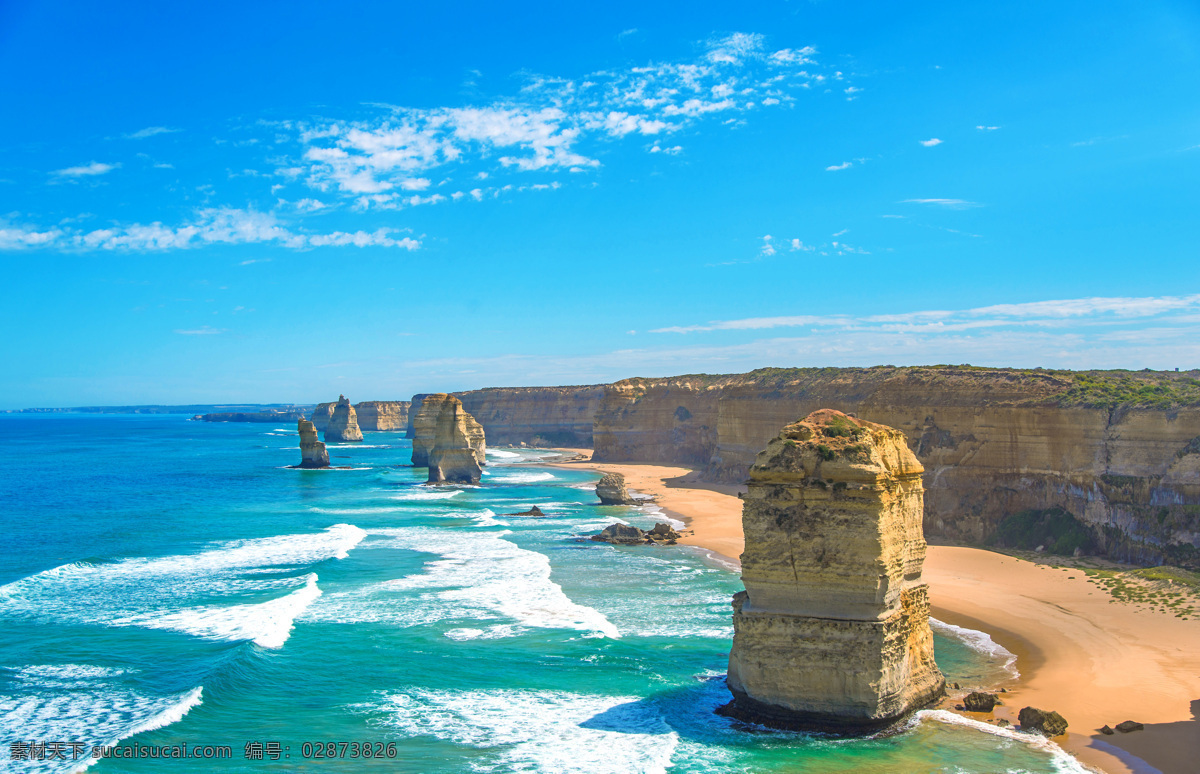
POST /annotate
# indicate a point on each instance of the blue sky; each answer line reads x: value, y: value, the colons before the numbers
x: 208, y: 202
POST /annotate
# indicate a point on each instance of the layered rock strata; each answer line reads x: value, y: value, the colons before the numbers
x: 343, y: 424
x: 321, y: 415
x: 1118, y: 450
x: 456, y: 453
x: 611, y: 490
x: 312, y: 451
x: 382, y: 414
x: 425, y: 423
x: 536, y: 416
x: 832, y: 630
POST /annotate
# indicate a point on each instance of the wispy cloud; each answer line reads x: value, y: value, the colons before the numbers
x: 554, y: 124
x: 983, y: 128
x: 202, y: 331
x: 208, y: 227
x: 767, y: 248
x: 149, y: 131
x: 1036, y: 313
x: 953, y: 204
x: 839, y: 167
x: 932, y: 141
x: 86, y: 170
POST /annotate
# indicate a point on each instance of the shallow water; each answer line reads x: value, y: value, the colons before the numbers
x: 171, y: 582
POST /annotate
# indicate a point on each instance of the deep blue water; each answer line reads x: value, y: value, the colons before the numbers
x: 168, y: 582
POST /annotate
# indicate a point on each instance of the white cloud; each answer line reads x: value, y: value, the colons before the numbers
x: 549, y: 125
x: 983, y: 128
x: 209, y: 226
x: 796, y: 244
x: 930, y: 142
x: 838, y: 167
x: 953, y: 204
x: 674, y: 150
x: 767, y: 249
x: 202, y: 331
x: 86, y: 170
x: 149, y: 131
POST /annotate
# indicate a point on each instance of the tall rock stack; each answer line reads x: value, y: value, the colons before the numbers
x: 611, y: 490
x: 425, y: 424
x: 343, y: 424
x: 457, y: 450
x: 312, y: 451
x: 832, y: 631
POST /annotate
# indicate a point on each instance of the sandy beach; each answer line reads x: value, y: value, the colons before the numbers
x: 1094, y: 660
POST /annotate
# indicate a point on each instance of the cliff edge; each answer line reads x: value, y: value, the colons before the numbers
x: 832, y: 630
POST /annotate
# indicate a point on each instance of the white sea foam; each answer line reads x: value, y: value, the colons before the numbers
x: 1061, y: 760
x: 417, y: 494
x: 502, y: 454
x: 268, y: 624
x: 92, y: 711
x: 178, y: 592
x: 478, y: 575
x: 980, y: 642
x: 549, y: 732
x: 521, y: 478
x: 495, y: 632
x: 355, y: 511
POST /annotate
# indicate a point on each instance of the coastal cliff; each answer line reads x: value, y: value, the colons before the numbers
x: 536, y: 416
x: 321, y: 414
x: 343, y: 425
x: 427, y: 423
x: 312, y: 452
x: 382, y: 414
x: 832, y: 630
x: 1119, y: 451
x: 456, y: 451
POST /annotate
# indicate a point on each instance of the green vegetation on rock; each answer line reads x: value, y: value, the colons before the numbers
x: 1054, y: 528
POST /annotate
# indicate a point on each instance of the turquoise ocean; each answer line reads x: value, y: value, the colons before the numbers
x: 169, y: 583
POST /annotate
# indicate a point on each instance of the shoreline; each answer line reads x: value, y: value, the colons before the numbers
x: 1095, y: 660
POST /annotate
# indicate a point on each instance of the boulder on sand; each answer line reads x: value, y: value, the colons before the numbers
x: 1049, y: 723
x: 611, y: 490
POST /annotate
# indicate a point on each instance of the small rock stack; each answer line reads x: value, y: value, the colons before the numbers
x: 611, y: 490
x: 312, y: 451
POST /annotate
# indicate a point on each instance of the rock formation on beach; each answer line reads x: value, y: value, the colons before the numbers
x: 425, y: 423
x: 312, y: 451
x: 611, y: 490
x: 832, y: 630
x: 1049, y: 722
x: 627, y: 534
x: 343, y: 425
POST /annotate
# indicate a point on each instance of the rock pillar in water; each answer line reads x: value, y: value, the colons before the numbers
x: 458, y: 445
x: 321, y: 414
x: 425, y: 427
x: 343, y: 424
x: 832, y: 631
x: 312, y: 451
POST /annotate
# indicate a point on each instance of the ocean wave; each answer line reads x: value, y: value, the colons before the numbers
x: 980, y: 642
x: 267, y: 624
x: 163, y: 592
x: 1061, y: 760
x: 520, y: 478
x: 478, y: 575
x: 495, y: 632
x: 440, y: 494
x: 544, y: 731
x: 502, y: 454
x: 355, y: 511
x: 92, y: 712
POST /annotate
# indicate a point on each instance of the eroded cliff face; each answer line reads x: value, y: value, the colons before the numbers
x: 993, y: 442
x: 382, y: 414
x: 536, y: 416
x: 832, y: 630
x: 312, y: 451
x: 425, y: 427
x: 321, y: 414
x: 343, y: 424
x: 457, y: 450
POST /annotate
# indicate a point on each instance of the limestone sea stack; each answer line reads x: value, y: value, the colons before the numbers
x: 457, y: 450
x: 312, y: 451
x: 611, y: 490
x: 832, y: 631
x: 343, y: 424
x: 425, y: 423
